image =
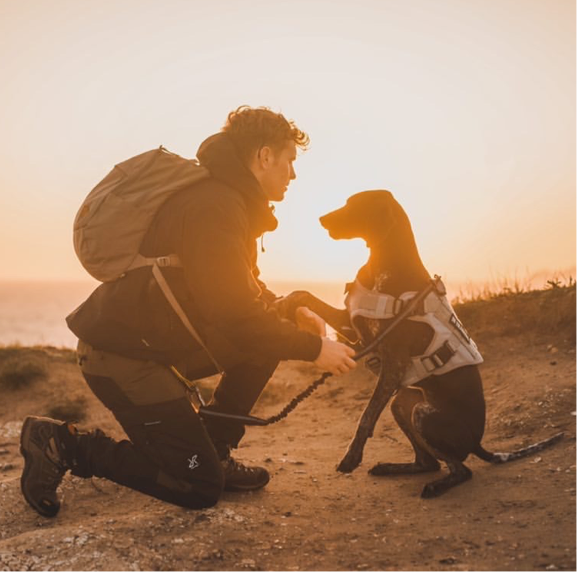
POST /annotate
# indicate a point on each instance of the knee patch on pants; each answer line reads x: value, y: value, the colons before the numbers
x: 173, y: 437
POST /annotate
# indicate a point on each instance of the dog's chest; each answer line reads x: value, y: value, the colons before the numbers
x: 431, y: 341
x: 374, y: 327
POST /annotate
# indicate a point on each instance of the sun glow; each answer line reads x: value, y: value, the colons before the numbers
x: 438, y: 103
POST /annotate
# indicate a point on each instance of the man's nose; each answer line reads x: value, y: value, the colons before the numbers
x: 293, y: 174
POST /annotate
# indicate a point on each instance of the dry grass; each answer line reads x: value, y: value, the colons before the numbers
x: 510, y: 311
x: 69, y: 410
x: 20, y: 370
x: 506, y: 286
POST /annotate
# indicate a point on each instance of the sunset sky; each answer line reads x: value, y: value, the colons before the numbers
x: 464, y: 109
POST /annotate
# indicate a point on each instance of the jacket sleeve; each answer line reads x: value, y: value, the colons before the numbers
x: 220, y: 279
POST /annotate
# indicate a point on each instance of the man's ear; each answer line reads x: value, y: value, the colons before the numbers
x: 265, y: 156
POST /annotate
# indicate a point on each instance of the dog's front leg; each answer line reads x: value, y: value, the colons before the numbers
x: 337, y: 318
x: 381, y: 396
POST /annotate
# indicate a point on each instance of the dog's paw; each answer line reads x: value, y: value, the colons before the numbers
x: 431, y: 490
x: 382, y: 469
x: 348, y: 464
x: 440, y: 486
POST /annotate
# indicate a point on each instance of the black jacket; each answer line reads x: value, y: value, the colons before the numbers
x: 213, y: 227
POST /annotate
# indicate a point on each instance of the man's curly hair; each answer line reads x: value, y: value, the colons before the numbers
x: 252, y: 128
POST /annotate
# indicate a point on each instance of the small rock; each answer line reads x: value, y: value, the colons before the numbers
x: 553, y: 363
x: 448, y: 561
x: 537, y: 460
x: 248, y: 563
x: 122, y: 542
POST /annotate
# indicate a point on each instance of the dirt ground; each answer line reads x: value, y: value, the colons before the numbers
x: 518, y: 516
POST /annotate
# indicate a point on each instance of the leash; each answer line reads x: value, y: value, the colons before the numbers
x: 205, y: 411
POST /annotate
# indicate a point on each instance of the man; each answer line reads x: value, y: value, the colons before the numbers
x: 130, y: 336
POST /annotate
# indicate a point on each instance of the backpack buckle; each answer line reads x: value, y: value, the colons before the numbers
x: 169, y: 260
x: 163, y: 261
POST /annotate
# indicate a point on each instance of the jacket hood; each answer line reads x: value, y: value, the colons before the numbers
x: 218, y: 154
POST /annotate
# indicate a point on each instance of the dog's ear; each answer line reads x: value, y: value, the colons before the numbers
x: 387, y: 203
x: 380, y: 207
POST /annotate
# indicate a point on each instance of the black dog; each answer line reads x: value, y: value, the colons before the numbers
x: 443, y: 415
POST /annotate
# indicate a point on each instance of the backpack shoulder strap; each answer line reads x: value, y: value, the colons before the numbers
x: 181, y: 314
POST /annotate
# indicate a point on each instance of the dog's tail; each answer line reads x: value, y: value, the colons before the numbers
x: 499, y: 458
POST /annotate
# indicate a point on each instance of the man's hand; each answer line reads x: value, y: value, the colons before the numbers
x: 335, y: 358
x: 306, y: 320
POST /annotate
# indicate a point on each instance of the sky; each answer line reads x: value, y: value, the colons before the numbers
x: 464, y: 109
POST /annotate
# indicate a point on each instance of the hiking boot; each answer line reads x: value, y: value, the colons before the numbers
x: 42, y: 446
x: 238, y: 477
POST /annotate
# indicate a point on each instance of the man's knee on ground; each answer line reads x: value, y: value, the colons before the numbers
x: 195, y: 493
x: 202, y: 498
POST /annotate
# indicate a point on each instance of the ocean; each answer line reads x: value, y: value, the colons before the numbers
x: 33, y: 312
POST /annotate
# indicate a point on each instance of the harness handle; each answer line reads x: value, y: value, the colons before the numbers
x: 435, y: 284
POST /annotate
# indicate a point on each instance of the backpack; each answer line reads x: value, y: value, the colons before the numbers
x: 115, y: 216
x: 113, y: 219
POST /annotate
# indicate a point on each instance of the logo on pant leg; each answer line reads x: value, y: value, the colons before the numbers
x: 193, y: 462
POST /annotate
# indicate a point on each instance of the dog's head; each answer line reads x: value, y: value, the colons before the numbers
x: 371, y: 215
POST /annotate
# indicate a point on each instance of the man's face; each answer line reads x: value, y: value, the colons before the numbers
x: 274, y: 170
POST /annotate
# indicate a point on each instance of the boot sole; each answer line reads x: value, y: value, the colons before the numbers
x: 24, y: 439
x: 245, y: 488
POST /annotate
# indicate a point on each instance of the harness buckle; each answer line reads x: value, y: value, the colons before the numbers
x: 440, y: 357
x: 398, y: 306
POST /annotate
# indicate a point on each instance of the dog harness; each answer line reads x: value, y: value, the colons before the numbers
x: 450, y: 348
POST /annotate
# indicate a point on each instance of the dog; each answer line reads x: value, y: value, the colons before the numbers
x: 439, y: 406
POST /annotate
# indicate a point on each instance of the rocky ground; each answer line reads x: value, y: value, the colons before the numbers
x: 519, y: 516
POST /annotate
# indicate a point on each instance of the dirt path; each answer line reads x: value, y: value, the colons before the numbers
x: 520, y: 516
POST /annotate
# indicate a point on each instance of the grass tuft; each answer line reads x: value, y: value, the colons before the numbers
x: 17, y: 373
x: 69, y: 410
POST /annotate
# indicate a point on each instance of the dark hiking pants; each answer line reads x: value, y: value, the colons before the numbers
x: 170, y: 453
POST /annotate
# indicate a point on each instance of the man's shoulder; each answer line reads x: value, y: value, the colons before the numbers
x: 209, y: 193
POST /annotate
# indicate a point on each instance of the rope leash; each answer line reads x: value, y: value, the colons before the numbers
x: 204, y: 410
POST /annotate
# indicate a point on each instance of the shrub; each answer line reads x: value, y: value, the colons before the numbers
x: 17, y: 373
x: 69, y: 410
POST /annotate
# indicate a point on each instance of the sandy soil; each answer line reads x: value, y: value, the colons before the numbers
x: 519, y: 516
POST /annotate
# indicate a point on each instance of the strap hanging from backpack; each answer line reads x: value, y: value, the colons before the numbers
x: 181, y: 314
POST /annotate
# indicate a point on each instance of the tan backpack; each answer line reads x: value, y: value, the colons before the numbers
x: 113, y: 219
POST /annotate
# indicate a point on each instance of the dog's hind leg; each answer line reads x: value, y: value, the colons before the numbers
x: 402, y: 409
x: 450, y: 440
x: 458, y: 474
